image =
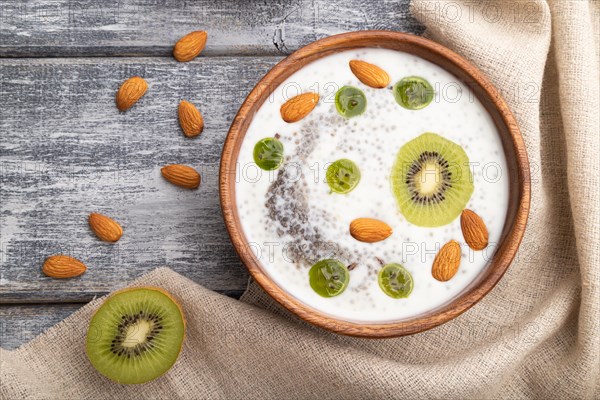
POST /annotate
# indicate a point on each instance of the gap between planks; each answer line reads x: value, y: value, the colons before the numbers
x: 142, y: 55
x: 27, y: 299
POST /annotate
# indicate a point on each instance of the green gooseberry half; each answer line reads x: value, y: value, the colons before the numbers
x: 328, y: 278
x: 342, y: 176
x: 350, y: 101
x: 395, y: 281
x: 268, y: 153
x: 413, y: 92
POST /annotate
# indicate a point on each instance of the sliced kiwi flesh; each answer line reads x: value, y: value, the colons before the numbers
x: 431, y: 180
x: 136, y: 335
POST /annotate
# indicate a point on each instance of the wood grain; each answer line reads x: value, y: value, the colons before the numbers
x: 514, y: 147
x: 53, y: 28
x: 66, y: 151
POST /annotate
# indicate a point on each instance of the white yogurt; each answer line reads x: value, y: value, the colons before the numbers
x: 372, y: 141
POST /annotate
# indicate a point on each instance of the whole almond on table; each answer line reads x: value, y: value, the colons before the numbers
x: 369, y: 74
x: 299, y: 107
x: 369, y: 230
x: 190, y: 119
x: 474, y: 230
x: 190, y: 46
x: 130, y: 92
x: 61, y: 266
x: 446, y: 261
x: 105, y: 228
x: 181, y: 175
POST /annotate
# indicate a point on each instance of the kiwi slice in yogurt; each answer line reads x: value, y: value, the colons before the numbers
x: 413, y: 92
x: 328, y: 278
x: 395, y: 281
x: 431, y: 180
x: 268, y: 153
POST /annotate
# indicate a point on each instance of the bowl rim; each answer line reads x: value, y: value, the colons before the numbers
x: 514, y: 228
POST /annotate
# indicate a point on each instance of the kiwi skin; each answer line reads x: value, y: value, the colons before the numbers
x: 135, y: 288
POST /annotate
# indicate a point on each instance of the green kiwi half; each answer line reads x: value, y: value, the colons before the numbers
x: 431, y: 180
x: 136, y: 335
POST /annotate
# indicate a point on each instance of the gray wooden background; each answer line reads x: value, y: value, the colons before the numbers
x: 66, y: 151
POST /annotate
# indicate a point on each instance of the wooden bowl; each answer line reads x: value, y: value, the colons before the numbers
x: 514, y: 148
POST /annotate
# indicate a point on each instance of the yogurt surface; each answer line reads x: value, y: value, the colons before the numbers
x: 292, y: 220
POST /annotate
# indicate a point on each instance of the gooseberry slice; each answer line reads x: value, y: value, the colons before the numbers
x: 342, y: 176
x: 395, y: 281
x: 350, y: 101
x: 268, y: 153
x: 328, y: 278
x: 413, y: 92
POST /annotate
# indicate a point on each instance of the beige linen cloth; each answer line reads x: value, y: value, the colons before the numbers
x: 536, y: 335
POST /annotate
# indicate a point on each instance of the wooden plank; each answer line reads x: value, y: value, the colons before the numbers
x: 66, y: 151
x: 51, y: 28
x: 20, y: 324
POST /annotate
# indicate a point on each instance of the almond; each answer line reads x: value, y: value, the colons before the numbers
x: 369, y: 74
x: 190, y: 46
x: 446, y: 261
x: 181, y: 175
x: 299, y: 106
x: 61, y: 266
x: 130, y: 92
x: 474, y: 230
x: 105, y: 228
x: 190, y: 119
x: 369, y: 230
